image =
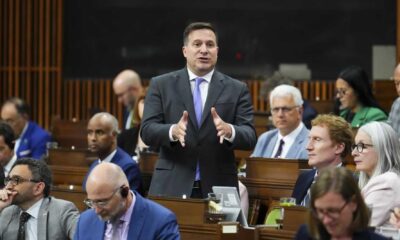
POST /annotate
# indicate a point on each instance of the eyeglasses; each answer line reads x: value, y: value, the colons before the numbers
x: 284, y: 110
x: 330, y: 212
x: 360, y: 147
x: 100, y: 203
x: 15, y: 180
x: 341, y: 91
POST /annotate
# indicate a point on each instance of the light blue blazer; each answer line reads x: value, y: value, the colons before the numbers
x: 266, y: 144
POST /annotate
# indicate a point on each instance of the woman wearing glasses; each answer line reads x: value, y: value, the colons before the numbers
x: 377, y: 156
x: 337, y: 209
x: 357, y: 103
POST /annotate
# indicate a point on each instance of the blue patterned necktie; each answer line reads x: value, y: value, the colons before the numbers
x: 198, y: 108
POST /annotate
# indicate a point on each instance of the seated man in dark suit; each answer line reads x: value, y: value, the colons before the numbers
x: 7, y: 156
x: 102, y: 134
x: 26, y: 209
x: 30, y: 138
x: 118, y: 213
x: 330, y: 141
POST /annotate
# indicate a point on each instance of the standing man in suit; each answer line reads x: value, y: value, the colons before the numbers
x: 7, y: 156
x: 289, y: 139
x: 102, y: 134
x: 197, y: 116
x: 31, y: 139
x: 117, y: 213
x: 330, y: 141
x: 26, y: 209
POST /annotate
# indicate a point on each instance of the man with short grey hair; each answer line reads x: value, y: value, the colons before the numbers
x: 289, y: 139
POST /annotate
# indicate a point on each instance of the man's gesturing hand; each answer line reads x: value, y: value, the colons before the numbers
x: 223, y: 128
x: 179, y: 129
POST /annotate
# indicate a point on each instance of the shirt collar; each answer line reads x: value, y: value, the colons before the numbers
x: 109, y: 157
x: 128, y: 214
x: 206, y: 77
x: 34, y: 209
x: 24, y: 130
x: 7, y: 168
x: 291, y: 135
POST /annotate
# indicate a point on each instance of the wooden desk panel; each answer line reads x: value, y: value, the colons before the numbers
x: 275, y: 169
x: 75, y: 195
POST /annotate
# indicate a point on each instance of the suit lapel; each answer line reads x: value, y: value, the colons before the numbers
x: 137, y: 219
x: 43, y: 218
x: 271, y: 146
x: 295, y: 148
x: 214, y: 91
x: 185, y: 93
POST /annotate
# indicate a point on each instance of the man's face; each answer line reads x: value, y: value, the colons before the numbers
x: 322, y: 151
x: 6, y: 152
x: 201, y: 51
x: 126, y: 95
x: 26, y: 190
x: 113, y: 204
x: 397, y: 79
x: 286, y: 116
x: 101, y: 139
x: 11, y: 116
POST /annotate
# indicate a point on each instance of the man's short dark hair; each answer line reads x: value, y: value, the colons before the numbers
x: 40, y: 171
x: 196, y: 26
x: 8, y: 134
x: 21, y: 106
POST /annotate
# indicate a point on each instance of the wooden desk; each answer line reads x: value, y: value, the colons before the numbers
x: 147, y: 162
x: 69, y: 132
x: 70, y: 193
x: 78, y: 157
x: 267, y: 233
x: 293, y: 217
x: 268, y: 178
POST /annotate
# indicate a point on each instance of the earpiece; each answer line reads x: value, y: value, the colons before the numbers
x: 124, y: 191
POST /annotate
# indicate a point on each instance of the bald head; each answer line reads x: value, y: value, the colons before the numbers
x: 128, y: 87
x: 396, y: 77
x: 107, y: 175
x: 102, y: 131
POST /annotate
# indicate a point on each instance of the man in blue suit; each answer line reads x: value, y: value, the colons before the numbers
x: 289, y: 139
x: 31, y: 139
x: 117, y: 213
x: 329, y: 143
x: 102, y: 134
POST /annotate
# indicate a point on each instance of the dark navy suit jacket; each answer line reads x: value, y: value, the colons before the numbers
x: 303, y: 234
x: 303, y: 183
x: 33, y: 142
x: 130, y: 168
x: 149, y: 221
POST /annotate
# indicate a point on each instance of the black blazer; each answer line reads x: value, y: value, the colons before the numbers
x: 303, y: 183
x: 303, y: 234
x: 167, y: 97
